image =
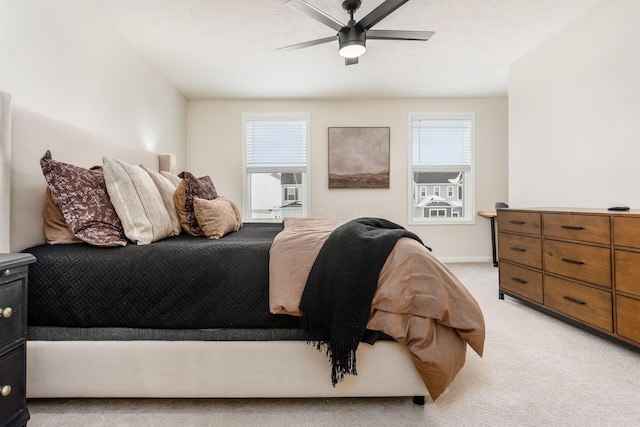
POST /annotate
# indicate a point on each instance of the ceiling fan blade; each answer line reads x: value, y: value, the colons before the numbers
x: 308, y: 44
x: 399, y: 35
x: 350, y: 61
x: 380, y: 12
x: 316, y: 14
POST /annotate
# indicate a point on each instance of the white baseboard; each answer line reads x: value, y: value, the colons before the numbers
x: 452, y: 260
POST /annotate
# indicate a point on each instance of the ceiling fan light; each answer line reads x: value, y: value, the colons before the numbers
x: 353, y: 50
x: 352, y: 42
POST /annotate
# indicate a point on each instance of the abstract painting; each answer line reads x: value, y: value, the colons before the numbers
x: 359, y: 157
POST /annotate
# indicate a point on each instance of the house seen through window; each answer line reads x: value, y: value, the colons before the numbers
x: 276, y: 168
x: 441, y: 173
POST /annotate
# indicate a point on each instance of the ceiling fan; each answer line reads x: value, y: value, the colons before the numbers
x: 352, y: 38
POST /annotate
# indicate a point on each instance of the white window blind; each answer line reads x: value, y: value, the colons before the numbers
x: 441, y: 141
x: 276, y: 144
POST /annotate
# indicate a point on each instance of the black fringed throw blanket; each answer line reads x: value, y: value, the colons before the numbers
x: 336, y: 302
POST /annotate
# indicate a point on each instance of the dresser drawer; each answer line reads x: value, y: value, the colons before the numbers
x: 11, y: 312
x: 581, y: 302
x: 626, y: 232
x: 520, y: 249
x: 628, y: 272
x: 519, y: 222
x: 522, y: 281
x: 12, y: 375
x: 586, y: 263
x: 586, y: 228
x: 628, y: 318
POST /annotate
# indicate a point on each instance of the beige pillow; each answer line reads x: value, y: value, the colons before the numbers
x: 236, y: 211
x: 178, y: 202
x: 137, y: 202
x: 166, y: 189
x: 56, y: 229
x: 215, y: 217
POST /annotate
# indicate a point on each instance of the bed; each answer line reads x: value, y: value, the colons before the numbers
x: 181, y: 348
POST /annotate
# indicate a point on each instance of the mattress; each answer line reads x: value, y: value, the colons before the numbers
x: 182, y: 282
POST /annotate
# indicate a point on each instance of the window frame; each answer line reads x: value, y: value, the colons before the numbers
x: 306, y: 174
x: 468, y: 175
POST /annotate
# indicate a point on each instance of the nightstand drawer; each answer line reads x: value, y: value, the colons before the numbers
x: 586, y: 263
x: 520, y: 249
x: 522, y: 281
x: 628, y: 318
x: 11, y: 312
x: 520, y: 222
x: 12, y: 384
x: 586, y: 228
x: 581, y: 302
x: 628, y: 272
x: 626, y: 232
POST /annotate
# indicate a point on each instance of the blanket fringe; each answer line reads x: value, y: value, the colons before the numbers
x: 341, y: 356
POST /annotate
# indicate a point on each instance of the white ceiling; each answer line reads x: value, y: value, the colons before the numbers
x: 226, y: 48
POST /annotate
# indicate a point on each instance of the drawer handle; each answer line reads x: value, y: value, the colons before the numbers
x: 6, y: 312
x: 577, y: 301
x: 6, y: 272
x: 572, y: 261
x: 517, y: 222
x: 513, y: 248
x: 5, y: 390
x: 522, y: 282
x: 571, y: 227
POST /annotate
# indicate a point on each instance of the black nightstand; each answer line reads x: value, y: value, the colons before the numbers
x: 13, y: 328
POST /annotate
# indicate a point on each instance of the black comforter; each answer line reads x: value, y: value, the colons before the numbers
x: 180, y: 282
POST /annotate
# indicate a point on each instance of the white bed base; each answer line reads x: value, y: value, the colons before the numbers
x: 203, y: 369
x: 160, y: 369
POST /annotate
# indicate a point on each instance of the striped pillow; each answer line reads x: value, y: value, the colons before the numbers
x: 137, y: 202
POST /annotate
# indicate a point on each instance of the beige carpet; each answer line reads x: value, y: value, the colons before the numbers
x: 536, y: 371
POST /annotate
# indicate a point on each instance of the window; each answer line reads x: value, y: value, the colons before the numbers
x: 291, y: 194
x: 276, y: 166
x: 441, y: 155
x: 437, y: 213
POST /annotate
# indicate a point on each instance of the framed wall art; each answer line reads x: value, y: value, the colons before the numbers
x: 359, y: 157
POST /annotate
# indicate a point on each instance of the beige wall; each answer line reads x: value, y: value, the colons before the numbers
x: 574, y: 109
x: 215, y: 143
x: 65, y: 60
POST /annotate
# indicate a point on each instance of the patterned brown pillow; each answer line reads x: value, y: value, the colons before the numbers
x: 189, y: 188
x: 83, y: 201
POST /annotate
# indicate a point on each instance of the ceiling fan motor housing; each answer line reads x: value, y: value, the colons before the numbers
x: 352, y: 36
x: 351, y: 5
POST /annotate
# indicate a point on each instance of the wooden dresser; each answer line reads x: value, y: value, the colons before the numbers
x: 13, y: 325
x: 579, y: 265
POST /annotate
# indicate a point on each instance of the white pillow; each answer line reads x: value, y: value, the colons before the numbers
x: 137, y: 202
x: 166, y: 189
